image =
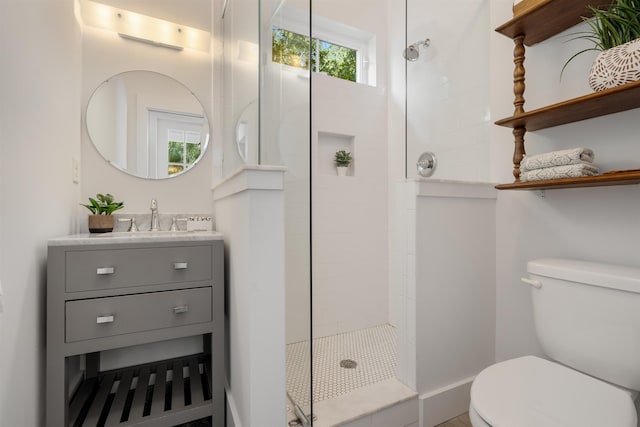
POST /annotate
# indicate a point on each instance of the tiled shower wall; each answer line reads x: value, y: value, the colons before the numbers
x: 350, y: 288
x: 447, y: 105
x: 350, y: 219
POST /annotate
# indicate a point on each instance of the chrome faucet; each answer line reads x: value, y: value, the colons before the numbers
x: 155, y: 222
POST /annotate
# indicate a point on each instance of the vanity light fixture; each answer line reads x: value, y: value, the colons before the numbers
x: 143, y: 28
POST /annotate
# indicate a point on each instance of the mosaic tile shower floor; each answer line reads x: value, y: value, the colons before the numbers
x: 373, y: 349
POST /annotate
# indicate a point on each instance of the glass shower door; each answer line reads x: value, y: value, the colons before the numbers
x: 267, y: 108
x: 285, y: 108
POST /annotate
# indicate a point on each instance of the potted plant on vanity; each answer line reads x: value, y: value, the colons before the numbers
x: 342, y: 160
x: 101, y: 208
x: 615, y: 32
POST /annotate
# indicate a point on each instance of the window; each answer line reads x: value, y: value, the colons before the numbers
x: 337, y: 61
x: 175, y: 140
x: 183, y: 150
x: 338, y: 49
x: 292, y: 49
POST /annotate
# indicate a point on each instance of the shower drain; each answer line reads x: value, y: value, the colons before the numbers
x: 348, y: 364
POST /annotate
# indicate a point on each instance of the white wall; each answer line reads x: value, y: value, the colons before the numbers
x: 250, y: 213
x: 447, y: 90
x: 285, y: 140
x: 455, y: 288
x: 445, y: 295
x: 39, y: 121
x: 104, y: 54
x: 349, y: 213
x: 598, y: 224
x: 442, y: 239
x: 447, y: 100
x: 455, y: 282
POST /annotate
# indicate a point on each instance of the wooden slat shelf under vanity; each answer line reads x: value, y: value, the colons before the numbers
x: 147, y: 403
x: 609, y: 101
x: 606, y: 179
x: 538, y: 21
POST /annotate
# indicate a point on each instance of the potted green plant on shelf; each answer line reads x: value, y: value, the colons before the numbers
x: 342, y: 160
x: 615, y: 32
x: 101, y: 208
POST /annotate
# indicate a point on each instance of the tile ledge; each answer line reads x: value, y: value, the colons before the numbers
x: 250, y: 177
x: 369, y: 400
x: 428, y: 187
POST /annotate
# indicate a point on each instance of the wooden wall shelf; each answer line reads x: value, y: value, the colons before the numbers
x: 548, y: 18
x: 537, y: 21
x: 607, y: 179
x: 609, y: 101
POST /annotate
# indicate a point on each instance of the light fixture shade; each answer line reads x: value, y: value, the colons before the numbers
x: 143, y: 28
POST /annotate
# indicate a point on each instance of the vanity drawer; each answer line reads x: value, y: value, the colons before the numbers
x: 105, y: 317
x: 119, y: 268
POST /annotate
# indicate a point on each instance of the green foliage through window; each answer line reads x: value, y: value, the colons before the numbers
x: 290, y: 49
x: 193, y: 152
x: 182, y: 155
x: 293, y: 49
x: 176, y: 151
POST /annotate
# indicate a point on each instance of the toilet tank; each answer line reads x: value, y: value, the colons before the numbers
x: 587, y: 316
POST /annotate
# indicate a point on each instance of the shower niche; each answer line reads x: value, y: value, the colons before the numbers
x: 328, y: 144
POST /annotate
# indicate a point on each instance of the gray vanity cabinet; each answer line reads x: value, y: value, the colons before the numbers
x: 113, y: 292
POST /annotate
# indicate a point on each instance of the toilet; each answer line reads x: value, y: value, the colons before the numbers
x: 587, y: 319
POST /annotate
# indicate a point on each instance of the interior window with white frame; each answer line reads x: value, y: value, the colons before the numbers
x: 335, y: 49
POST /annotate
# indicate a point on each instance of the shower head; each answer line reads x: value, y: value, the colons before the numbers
x: 412, y: 52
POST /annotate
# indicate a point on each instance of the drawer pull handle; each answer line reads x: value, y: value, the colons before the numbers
x: 180, y: 265
x: 105, y: 319
x: 180, y: 309
x: 105, y: 270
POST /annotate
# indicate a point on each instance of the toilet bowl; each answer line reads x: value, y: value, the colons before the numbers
x: 476, y: 419
x: 534, y: 392
x: 587, y: 319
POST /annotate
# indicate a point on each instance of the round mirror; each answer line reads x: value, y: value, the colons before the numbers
x: 147, y: 124
x: 247, y: 133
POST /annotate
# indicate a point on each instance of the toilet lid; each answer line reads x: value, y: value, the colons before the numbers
x: 534, y: 392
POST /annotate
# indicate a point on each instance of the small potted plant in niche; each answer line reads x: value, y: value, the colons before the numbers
x: 101, y: 220
x: 615, y: 32
x: 342, y: 160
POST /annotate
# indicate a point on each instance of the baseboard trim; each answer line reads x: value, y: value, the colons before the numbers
x: 445, y: 403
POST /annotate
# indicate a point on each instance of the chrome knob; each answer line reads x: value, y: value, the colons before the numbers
x: 427, y: 163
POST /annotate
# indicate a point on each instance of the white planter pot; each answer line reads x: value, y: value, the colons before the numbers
x: 342, y: 170
x: 616, y: 66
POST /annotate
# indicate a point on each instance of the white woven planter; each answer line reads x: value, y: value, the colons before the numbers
x: 616, y: 66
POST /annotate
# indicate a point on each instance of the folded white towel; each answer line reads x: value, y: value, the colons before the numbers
x: 565, y: 171
x: 572, y: 156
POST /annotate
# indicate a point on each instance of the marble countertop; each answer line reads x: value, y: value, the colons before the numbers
x: 138, y: 237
